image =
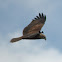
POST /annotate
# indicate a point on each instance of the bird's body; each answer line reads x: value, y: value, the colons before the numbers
x: 32, y: 31
x: 37, y: 36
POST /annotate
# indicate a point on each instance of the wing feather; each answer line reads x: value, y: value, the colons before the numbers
x: 35, y: 26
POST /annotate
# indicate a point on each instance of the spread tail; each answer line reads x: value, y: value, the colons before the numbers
x: 15, y: 39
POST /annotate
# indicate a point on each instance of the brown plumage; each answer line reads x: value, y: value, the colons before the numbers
x: 32, y: 31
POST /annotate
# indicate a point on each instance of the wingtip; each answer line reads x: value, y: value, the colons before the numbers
x: 45, y: 17
x: 42, y: 14
x: 39, y: 15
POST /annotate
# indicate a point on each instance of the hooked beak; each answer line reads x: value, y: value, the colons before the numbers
x: 43, y: 36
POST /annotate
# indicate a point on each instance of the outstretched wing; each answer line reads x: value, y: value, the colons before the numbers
x: 36, y: 25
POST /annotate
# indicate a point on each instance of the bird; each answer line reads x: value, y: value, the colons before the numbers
x: 32, y: 31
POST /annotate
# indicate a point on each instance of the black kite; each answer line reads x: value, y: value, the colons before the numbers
x: 32, y: 31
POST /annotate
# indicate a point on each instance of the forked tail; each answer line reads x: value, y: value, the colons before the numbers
x: 15, y: 39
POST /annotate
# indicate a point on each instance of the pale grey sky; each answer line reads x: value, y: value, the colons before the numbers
x: 15, y: 15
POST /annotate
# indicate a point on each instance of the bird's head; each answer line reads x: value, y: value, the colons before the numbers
x: 42, y: 36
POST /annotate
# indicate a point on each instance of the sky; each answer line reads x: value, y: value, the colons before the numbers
x: 17, y: 14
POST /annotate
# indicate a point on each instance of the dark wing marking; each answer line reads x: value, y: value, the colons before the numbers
x: 37, y: 17
x: 40, y: 15
x: 35, y: 25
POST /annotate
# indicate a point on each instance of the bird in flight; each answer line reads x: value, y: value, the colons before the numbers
x: 32, y: 31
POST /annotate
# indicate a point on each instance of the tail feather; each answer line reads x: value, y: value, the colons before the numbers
x: 15, y: 39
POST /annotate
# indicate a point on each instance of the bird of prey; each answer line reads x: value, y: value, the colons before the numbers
x: 32, y: 31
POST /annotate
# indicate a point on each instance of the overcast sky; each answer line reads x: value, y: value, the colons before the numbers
x: 17, y: 14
